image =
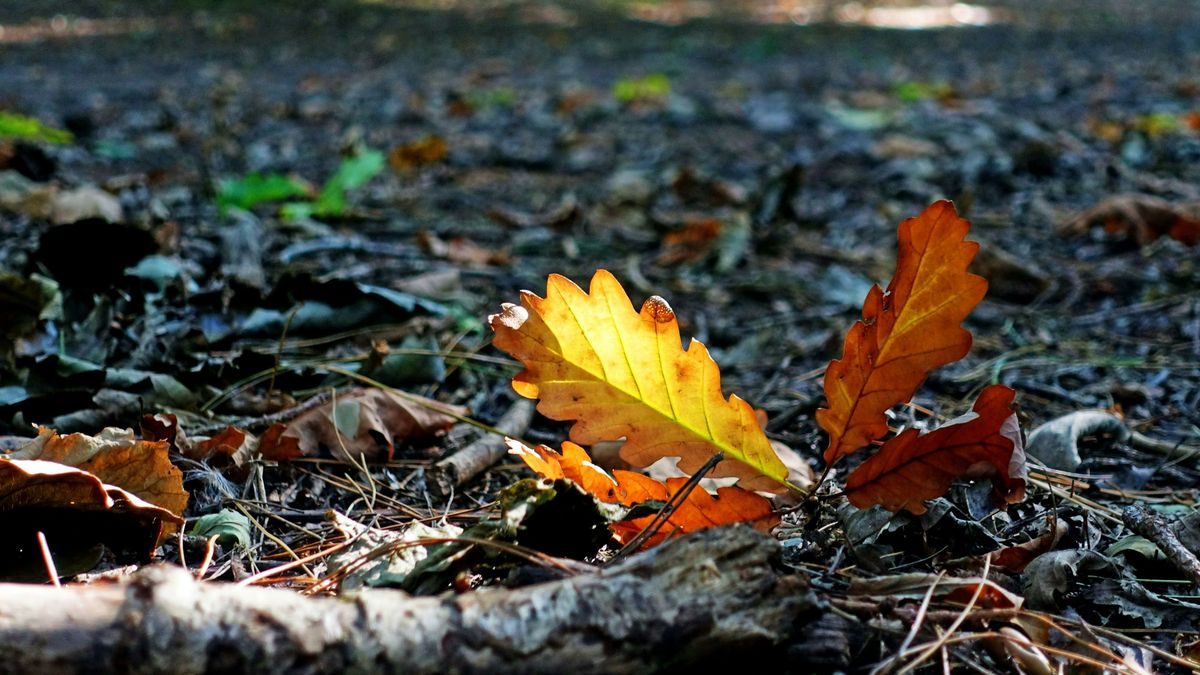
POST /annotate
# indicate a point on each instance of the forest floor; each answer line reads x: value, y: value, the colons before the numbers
x: 750, y: 170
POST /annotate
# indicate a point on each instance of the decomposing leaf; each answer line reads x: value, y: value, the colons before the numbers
x: 1016, y: 558
x: 690, y: 243
x: 410, y: 156
x: 360, y: 423
x: 1056, y: 443
x: 698, y: 511
x: 229, y: 448
x: 116, y: 458
x: 905, y: 332
x: 591, y: 358
x: 229, y: 527
x: 462, y: 250
x: 915, y: 466
x: 958, y: 590
x: 1143, y: 217
x: 82, y: 203
x: 77, y: 513
x: 382, y: 557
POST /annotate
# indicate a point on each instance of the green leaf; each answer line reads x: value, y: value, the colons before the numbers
x: 353, y: 173
x: 13, y: 125
x: 253, y: 189
x: 653, y: 87
x: 230, y: 527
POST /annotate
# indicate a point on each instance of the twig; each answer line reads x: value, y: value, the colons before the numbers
x: 209, y: 548
x: 1152, y: 526
x: 48, y: 559
x: 664, y: 514
x: 464, y: 465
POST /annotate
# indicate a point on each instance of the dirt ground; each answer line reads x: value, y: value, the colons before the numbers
x: 750, y: 167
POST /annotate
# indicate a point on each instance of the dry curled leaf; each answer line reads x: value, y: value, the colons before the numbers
x: 409, y: 156
x: 360, y: 423
x: 75, y: 511
x: 1142, y: 217
x: 905, y: 332
x: 115, y: 457
x: 591, y: 358
x: 698, y: 511
x: 915, y: 466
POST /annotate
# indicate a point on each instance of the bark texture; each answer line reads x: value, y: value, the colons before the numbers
x: 714, y: 596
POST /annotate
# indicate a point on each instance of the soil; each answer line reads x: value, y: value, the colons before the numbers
x: 803, y: 145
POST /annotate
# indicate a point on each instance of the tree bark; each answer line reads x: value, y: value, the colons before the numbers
x: 717, y: 596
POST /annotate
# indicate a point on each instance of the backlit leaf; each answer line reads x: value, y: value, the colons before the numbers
x: 698, y: 511
x: 116, y: 458
x: 905, y: 332
x: 915, y: 466
x: 591, y: 358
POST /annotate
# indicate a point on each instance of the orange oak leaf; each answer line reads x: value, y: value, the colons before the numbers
x: 74, y: 510
x: 698, y: 511
x: 573, y: 464
x: 591, y: 358
x: 915, y: 466
x: 115, y: 457
x: 905, y: 332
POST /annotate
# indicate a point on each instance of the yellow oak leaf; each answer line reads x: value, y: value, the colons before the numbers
x: 591, y: 358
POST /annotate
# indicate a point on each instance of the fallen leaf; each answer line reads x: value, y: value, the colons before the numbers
x: 77, y: 513
x: 82, y: 203
x: 382, y: 557
x: 573, y: 464
x: 561, y: 215
x: 915, y: 466
x: 904, y: 333
x: 958, y: 590
x: 116, y: 458
x: 698, y: 511
x: 690, y: 243
x: 1142, y: 217
x: 1056, y: 443
x: 409, y: 156
x: 1016, y: 558
x: 462, y: 250
x: 360, y: 423
x: 229, y: 527
x: 619, y: 373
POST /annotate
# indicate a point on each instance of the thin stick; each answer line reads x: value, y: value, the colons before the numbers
x: 48, y: 560
x: 664, y: 514
x: 943, y: 640
x: 209, y: 549
x: 265, y: 574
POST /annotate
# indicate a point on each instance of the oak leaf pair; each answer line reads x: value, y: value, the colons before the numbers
x: 620, y: 373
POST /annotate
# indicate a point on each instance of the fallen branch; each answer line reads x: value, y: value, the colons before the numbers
x: 1152, y: 526
x: 716, y: 594
x: 445, y: 476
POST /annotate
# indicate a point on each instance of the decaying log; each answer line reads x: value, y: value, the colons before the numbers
x: 717, y: 596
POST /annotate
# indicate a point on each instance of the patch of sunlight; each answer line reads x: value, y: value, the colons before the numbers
x: 916, y: 17
x: 62, y: 26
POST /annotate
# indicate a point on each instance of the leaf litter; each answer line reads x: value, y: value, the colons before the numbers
x: 689, y: 188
